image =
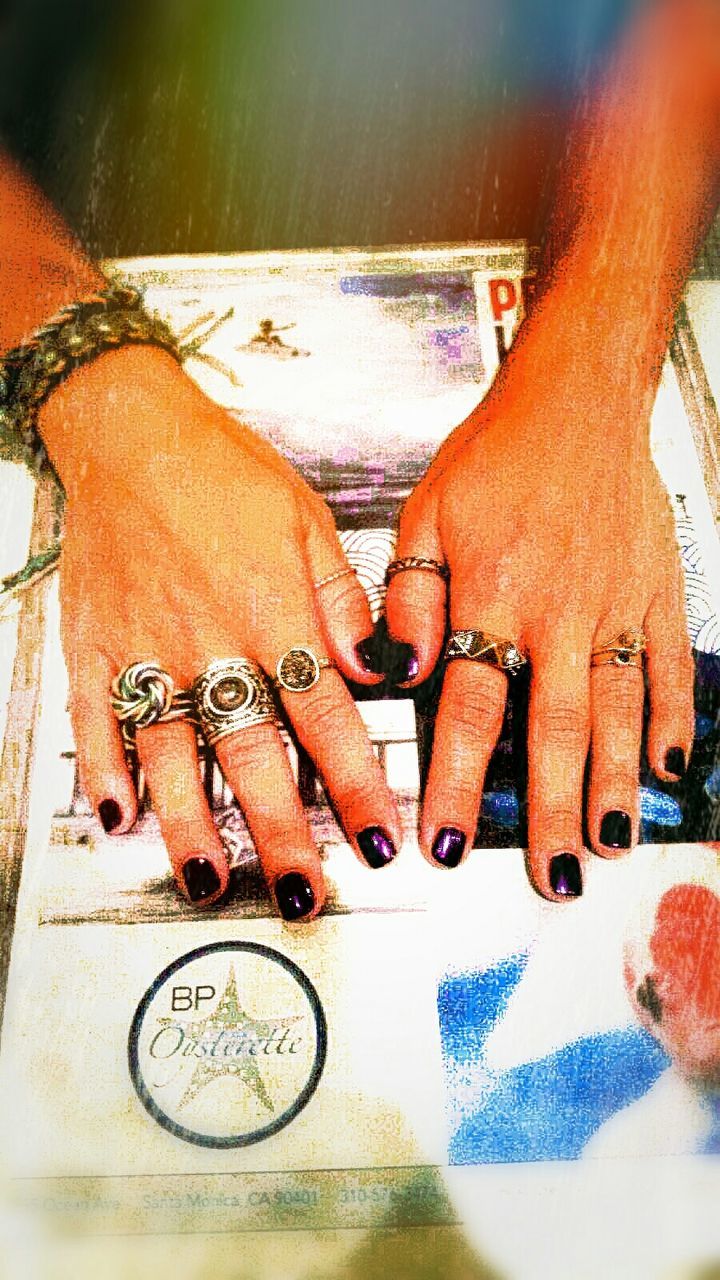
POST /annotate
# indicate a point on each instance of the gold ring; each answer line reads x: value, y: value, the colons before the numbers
x: 299, y: 669
x: 626, y: 650
x: 478, y: 646
x: 333, y: 577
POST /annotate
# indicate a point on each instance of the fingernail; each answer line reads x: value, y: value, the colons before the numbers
x: 406, y: 663
x: 367, y: 654
x: 675, y: 761
x: 110, y: 814
x: 201, y: 878
x: 448, y: 847
x: 294, y: 894
x: 565, y: 875
x: 616, y: 829
x: 376, y: 847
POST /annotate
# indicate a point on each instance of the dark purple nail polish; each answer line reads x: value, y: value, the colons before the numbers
x: 294, y: 895
x: 411, y: 666
x: 376, y: 847
x: 565, y: 875
x: 201, y: 878
x: 110, y: 815
x: 616, y: 829
x: 449, y: 846
x: 675, y: 761
x: 366, y: 652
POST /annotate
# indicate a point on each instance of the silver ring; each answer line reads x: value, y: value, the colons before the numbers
x: 478, y: 646
x: 230, y: 695
x: 299, y: 669
x: 143, y: 694
x: 333, y: 577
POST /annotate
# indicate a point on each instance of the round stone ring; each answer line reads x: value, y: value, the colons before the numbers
x: 231, y: 695
x: 299, y: 669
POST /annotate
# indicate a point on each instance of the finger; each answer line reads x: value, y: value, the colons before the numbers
x: 558, y: 739
x: 415, y: 606
x: 617, y: 694
x: 102, y: 763
x: 341, y: 601
x: 329, y: 726
x: 256, y: 767
x: 168, y: 755
x: 467, y: 727
x: 670, y: 672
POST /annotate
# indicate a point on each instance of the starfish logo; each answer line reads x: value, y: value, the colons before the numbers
x: 228, y: 1044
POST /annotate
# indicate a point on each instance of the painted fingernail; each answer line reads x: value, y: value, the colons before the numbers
x: 448, y: 847
x: 376, y: 847
x: 110, y: 814
x: 294, y: 895
x: 616, y: 829
x: 411, y: 665
x: 201, y: 878
x: 366, y: 651
x: 565, y: 875
x: 675, y: 761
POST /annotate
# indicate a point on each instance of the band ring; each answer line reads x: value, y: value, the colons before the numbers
x: 230, y: 695
x: 416, y: 562
x: 333, y: 577
x: 299, y: 669
x: 143, y: 694
x: 626, y: 650
x: 478, y: 646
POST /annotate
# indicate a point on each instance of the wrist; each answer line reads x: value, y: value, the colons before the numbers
x: 105, y: 414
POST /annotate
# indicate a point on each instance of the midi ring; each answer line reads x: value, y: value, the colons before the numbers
x: 143, y: 694
x: 299, y: 669
x: 416, y: 562
x: 626, y: 650
x: 478, y: 646
x: 230, y: 695
x: 333, y: 577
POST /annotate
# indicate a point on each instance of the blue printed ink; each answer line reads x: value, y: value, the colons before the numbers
x: 469, y: 1005
x: 660, y: 808
x: 550, y: 1108
x: 502, y: 807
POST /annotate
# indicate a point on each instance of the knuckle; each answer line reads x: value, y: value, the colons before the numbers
x: 323, y: 714
x: 477, y: 712
x: 620, y: 699
x: 250, y: 751
x: 562, y: 725
x: 345, y: 595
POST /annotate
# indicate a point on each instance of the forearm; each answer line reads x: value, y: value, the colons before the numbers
x: 641, y: 188
x: 42, y: 267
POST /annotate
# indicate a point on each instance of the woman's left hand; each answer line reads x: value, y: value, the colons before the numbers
x: 558, y: 534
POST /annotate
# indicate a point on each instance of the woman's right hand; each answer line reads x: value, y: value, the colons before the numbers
x: 188, y: 539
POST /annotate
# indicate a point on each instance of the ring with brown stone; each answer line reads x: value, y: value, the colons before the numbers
x: 299, y: 669
x: 230, y: 695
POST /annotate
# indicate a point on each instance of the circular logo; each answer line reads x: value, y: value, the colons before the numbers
x: 228, y: 1044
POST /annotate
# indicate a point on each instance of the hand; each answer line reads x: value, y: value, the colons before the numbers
x: 187, y: 540
x: 549, y: 512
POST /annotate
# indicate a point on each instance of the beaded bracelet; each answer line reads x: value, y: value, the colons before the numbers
x: 83, y: 330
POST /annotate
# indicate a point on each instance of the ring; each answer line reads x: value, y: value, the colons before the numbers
x: 625, y: 650
x: 333, y: 577
x: 143, y: 694
x: 416, y: 562
x: 230, y: 695
x: 299, y: 669
x: 480, y: 647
